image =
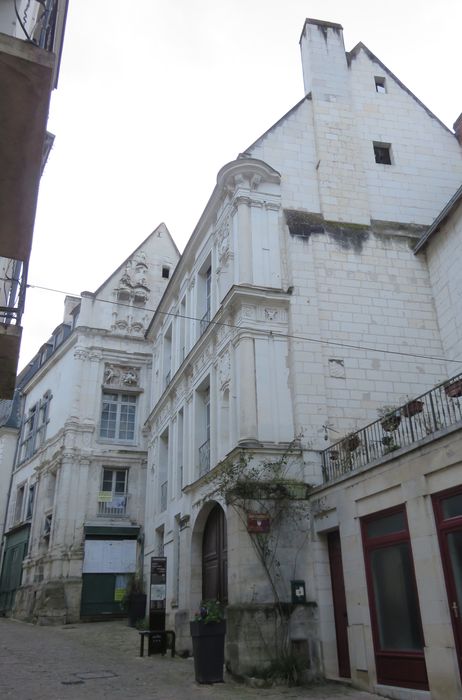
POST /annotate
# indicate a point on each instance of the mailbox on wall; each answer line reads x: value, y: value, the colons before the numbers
x: 298, y: 592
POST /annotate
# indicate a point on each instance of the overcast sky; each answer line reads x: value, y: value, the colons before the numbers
x: 155, y: 96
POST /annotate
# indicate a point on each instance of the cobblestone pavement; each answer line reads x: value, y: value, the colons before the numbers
x: 100, y: 660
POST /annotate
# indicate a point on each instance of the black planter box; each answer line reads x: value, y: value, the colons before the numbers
x: 209, y: 650
x: 136, y: 607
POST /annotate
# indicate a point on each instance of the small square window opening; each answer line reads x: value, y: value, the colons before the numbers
x: 166, y: 272
x: 380, y: 84
x: 382, y: 153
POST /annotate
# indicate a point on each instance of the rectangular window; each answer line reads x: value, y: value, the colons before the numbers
x: 34, y: 427
x: 380, y: 85
x: 393, y: 600
x: 19, y: 504
x: 382, y: 153
x: 118, y: 417
x: 203, y: 427
x: 30, y: 502
x: 112, y: 500
x: 204, y: 296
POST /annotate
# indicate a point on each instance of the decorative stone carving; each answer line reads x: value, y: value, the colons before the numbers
x: 163, y: 415
x: 224, y: 370
x: 137, y: 327
x: 132, y: 286
x: 271, y: 314
x: 336, y: 368
x: 223, y: 242
x: 121, y: 375
x: 81, y: 353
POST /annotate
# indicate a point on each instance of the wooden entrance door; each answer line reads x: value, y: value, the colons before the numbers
x: 214, y: 557
x: 393, y: 600
x: 448, y: 514
x: 339, y: 600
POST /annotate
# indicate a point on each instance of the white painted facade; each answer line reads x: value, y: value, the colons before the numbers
x: 81, y: 449
x: 298, y: 308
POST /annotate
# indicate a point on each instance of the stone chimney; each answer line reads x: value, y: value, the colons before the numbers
x: 458, y: 128
x: 340, y: 170
x: 324, y: 59
x: 69, y: 305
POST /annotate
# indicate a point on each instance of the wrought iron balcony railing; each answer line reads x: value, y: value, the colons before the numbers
x: 114, y: 508
x: 36, y: 20
x: 204, y: 458
x: 439, y: 408
x: 13, y: 279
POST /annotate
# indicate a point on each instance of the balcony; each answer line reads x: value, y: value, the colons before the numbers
x: 114, y: 507
x: 31, y: 36
x: 437, y: 410
x: 13, y: 278
x: 204, y: 458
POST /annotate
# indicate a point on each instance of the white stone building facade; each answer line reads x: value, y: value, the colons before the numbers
x: 76, y: 507
x: 298, y: 309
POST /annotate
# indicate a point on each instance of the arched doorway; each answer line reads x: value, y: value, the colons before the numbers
x: 214, y: 557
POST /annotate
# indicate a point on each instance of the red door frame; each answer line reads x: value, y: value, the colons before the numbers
x: 339, y: 602
x: 405, y: 669
x: 445, y: 526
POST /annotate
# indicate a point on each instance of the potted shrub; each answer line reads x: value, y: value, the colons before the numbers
x: 412, y: 408
x: 134, y: 601
x: 351, y: 442
x: 453, y: 389
x: 208, y: 631
x: 390, y: 418
x: 389, y: 443
x: 333, y: 455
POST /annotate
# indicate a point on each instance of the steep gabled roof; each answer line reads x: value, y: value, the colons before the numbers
x: 123, y: 264
x: 351, y: 55
x: 440, y: 219
x: 275, y: 125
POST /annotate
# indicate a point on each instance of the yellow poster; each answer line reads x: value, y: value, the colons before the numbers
x: 104, y: 496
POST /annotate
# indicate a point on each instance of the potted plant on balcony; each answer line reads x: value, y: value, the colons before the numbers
x: 134, y: 600
x: 453, y: 389
x: 351, y: 442
x: 208, y: 631
x: 412, y: 408
x: 390, y: 418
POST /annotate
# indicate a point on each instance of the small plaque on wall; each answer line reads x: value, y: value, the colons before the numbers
x: 258, y: 523
x: 298, y: 592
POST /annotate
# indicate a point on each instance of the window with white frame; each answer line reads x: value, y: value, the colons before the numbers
x: 30, y: 502
x: 34, y: 427
x: 204, y: 295
x: 19, y: 505
x: 112, y: 499
x: 203, y: 426
x: 118, y: 417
